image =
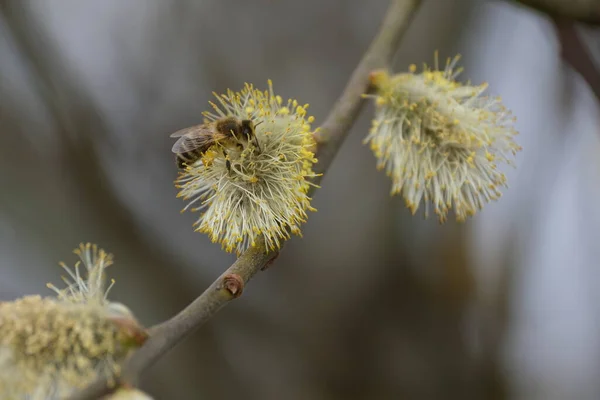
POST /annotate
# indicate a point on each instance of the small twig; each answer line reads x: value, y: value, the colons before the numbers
x: 587, y: 11
x: 229, y: 285
x: 574, y: 51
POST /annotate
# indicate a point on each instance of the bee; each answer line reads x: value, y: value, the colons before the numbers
x: 194, y: 141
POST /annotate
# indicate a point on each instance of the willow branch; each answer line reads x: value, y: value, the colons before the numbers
x: 230, y: 284
x: 574, y: 52
x: 587, y: 11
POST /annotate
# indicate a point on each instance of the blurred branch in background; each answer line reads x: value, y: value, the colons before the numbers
x: 575, y: 53
x: 587, y: 11
x: 565, y: 14
x: 231, y: 283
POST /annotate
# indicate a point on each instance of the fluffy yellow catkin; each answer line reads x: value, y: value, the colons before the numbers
x: 263, y: 194
x: 51, y: 346
x: 440, y: 140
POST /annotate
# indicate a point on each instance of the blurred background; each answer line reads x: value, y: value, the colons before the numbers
x: 372, y: 303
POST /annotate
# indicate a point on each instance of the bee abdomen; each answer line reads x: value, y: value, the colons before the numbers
x: 187, y: 158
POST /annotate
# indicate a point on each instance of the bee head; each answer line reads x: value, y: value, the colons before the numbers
x: 248, y: 131
x: 247, y: 128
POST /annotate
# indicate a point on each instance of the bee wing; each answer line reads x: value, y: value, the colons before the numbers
x: 198, y: 138
x: 189, y: 130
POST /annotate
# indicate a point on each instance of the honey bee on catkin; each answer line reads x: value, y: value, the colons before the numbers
x: 194, y: 141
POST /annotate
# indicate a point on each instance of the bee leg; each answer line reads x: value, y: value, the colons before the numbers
x: 182, y: 162
x: 257, y: 145
x: 227, y: 161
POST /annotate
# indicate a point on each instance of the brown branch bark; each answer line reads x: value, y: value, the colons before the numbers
x: 229, y: 285
x: 587, y: 11
x: 575, y: 52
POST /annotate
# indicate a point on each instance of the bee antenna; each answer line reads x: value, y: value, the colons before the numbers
x: 257, y: 124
